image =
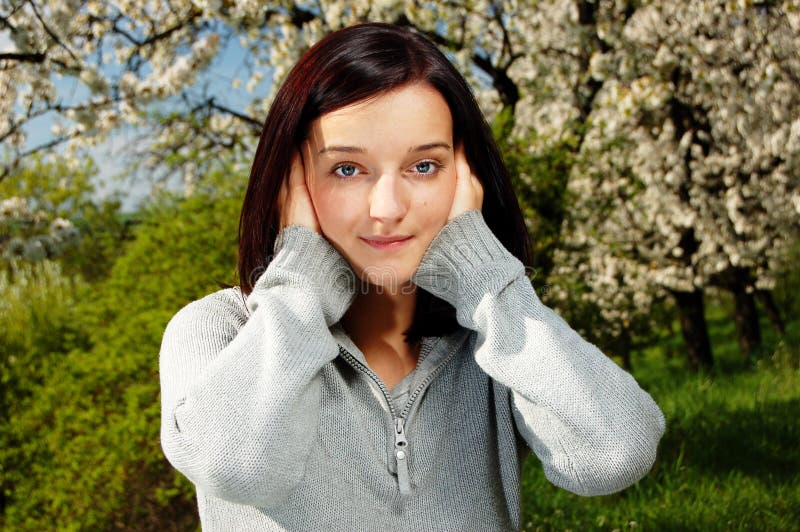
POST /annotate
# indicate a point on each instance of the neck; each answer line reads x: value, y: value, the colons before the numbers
x: 382, y: 313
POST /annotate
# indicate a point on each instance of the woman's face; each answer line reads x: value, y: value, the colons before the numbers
x: 383, y: 169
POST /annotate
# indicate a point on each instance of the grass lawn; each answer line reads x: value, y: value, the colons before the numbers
x: 730, y: 459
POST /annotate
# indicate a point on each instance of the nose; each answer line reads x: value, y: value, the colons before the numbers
x: 387, y: 199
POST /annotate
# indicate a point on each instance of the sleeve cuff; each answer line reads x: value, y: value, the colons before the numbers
x: 304, y: 258
x: 465, y: 261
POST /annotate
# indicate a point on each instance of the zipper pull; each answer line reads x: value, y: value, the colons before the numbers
x: 401, y: 454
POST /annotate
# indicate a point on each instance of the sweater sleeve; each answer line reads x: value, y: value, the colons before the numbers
x: 240, y: 395
x: 588, y: 421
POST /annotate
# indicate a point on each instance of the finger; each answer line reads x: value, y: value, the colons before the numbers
x: 284, y: 194
x: 282, y: 206
x: 462, y: 166
x: 469, y: 181
x: 476, y: 183
x: 297, y: 173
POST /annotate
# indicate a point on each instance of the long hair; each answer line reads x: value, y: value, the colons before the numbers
x: 349, y: 66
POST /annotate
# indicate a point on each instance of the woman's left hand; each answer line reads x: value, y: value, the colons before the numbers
x: 469, y: 191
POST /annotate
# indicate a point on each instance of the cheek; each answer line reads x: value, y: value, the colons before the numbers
x: 437, y: 201
x: 336, y: 208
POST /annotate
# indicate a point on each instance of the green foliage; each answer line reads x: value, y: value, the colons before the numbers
x: 785, y: 293
x: 52, y: 187
x: 88, y: 454
x: 540, y: 182
x: 37, y: 303
x: 52, y: 190
x: 104, y: 230
x: 37, y: 328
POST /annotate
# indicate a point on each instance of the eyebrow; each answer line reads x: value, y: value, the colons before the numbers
x: 356, y: 149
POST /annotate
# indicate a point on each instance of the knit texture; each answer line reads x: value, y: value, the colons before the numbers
x: 273, y: 413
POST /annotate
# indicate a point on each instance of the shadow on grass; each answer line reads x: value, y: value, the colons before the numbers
x: 759, y: 443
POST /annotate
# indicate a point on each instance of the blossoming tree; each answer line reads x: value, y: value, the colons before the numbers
x: 690, y: 162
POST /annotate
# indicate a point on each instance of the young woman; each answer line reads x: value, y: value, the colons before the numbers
x: 385, y: 363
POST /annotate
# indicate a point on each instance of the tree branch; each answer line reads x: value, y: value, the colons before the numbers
x: 51, y: 33
x: 211, y: 103
x: 156, y: 37
x: 502, y: 83
x: 22, y: 57
x: 8, y: 168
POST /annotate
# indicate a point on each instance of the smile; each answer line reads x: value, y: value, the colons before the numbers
x: 388, y: 244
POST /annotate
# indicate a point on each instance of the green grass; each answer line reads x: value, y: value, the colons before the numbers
x: 730, y: 458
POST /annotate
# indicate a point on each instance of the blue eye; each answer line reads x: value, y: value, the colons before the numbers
x: 427, y: 167
x: 345, y: 170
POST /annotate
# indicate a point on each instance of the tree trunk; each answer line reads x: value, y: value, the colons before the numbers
x: 746, y: 317
x: 774, y: 314
x: 691, y: 313
x: 625, y: 349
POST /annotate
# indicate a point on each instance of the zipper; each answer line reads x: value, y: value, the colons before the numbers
x: 401, y: 451
x: 401, y: 455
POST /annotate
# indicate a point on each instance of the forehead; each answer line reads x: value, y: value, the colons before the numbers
x: 405, y: 114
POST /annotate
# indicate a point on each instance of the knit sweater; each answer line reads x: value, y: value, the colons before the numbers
x: 273, y: 413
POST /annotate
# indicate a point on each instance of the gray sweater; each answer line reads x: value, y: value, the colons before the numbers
x: 273, y: 413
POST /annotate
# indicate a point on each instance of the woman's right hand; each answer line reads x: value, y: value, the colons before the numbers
x: 294, y: 200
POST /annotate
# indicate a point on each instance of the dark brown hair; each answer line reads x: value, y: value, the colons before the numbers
x: 345, y: 67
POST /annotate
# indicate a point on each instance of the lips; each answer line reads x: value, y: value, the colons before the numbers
x: 387, y: 238
x: 387, y: 242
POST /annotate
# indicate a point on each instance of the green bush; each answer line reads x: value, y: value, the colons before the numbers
x: 89, y: 452
x: 37, y: 328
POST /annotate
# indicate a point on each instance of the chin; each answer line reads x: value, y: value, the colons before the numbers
x: 386, y: 280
